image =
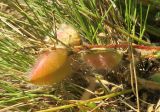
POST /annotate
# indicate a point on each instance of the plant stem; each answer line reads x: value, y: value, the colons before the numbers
x: 77, y: 103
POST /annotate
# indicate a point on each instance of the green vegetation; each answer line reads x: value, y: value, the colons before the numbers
x: 29, y: 27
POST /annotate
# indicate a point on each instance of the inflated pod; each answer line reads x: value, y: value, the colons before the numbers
x: 51, y: 67
x: 68, y: 35
x: 102, y: 59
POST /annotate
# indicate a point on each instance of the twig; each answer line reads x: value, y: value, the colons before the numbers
x: 77, y: 103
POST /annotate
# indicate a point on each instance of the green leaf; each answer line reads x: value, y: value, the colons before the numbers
x: 156, y: 77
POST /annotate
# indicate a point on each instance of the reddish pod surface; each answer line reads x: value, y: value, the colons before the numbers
x: 100, y: 60
x: 56, y: 65
x: 51, y: 67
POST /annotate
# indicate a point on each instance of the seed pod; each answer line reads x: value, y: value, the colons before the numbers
x: 51, y: 67
x: 104, y: 59
x: 68, y: 35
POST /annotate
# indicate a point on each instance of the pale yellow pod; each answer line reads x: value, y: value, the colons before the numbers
x: 68, y: 35
x: 51, y: 67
